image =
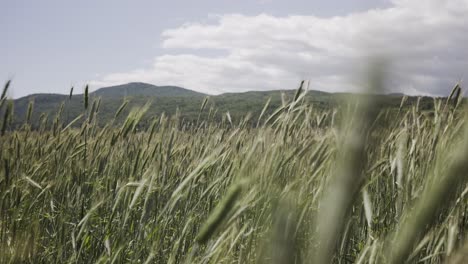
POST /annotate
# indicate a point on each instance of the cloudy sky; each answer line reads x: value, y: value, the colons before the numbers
x: 217, y: 46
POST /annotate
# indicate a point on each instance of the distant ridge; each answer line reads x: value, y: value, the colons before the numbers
x: 173, y: 99
x: 144, y: 89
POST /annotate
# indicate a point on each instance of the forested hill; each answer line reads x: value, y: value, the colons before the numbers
x: 169, y: 99
x: 145, y: 89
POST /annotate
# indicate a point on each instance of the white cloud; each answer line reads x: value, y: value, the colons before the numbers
x: 424, y: 39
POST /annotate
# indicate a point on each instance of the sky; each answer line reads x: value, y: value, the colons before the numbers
x: 218, y: 46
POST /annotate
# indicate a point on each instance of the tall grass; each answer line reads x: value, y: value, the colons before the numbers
x: 298, y: 187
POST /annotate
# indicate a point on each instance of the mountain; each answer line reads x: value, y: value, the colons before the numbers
x: 170, y: 99
x: 145, y: 89
x: 163, y: 98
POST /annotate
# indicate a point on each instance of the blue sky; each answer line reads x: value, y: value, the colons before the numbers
x: 230, y: 45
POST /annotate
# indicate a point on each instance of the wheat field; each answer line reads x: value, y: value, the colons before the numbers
x: 298, y: 185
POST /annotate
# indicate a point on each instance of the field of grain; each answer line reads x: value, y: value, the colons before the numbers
x: 300, y: 186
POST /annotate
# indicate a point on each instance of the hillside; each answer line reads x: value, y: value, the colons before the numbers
x: 169, y: 99
x: 145, y: 89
